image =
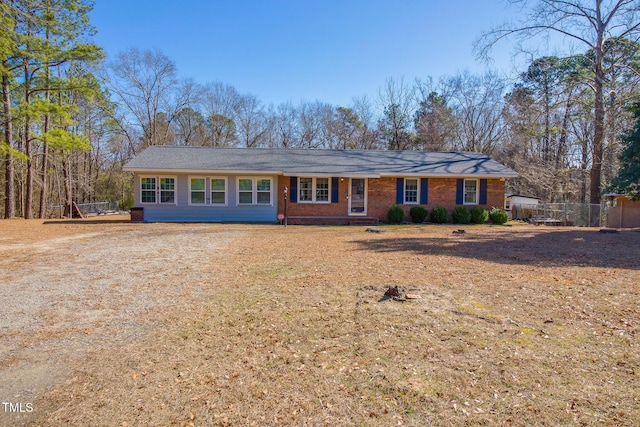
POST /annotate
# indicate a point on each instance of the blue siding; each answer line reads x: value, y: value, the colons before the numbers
x: 182, y: 212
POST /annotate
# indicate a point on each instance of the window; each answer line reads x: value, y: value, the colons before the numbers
x: 470, y: 192
x: 306, y: 190
x: 254, y: 191
x: 322, y: 189
x: 263, y: 187
x: 313, y: 190
x: 245, y: 191
x: 411, y: 190
x: 167, y: 190
x: 158, y: 190
x: 218, y: 191
x: 147, y: 190
x: 197, y: 191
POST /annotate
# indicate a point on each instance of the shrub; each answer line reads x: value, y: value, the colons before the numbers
x: 418, y: 214
x: 395, y: 214
x: 126, y: 204
x: 498, y: 216
x: 461, y: 215
x: 439, y: 215
x: 479, y: 215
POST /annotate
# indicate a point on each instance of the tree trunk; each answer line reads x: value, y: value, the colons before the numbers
x: 45, y: 148
x: 68, y: 191
x: 45, y: 160
x: 598, y: 134
x: 28, y: 202
x: 561, y: 153
x: 10, y: 197
x: 28, y: 206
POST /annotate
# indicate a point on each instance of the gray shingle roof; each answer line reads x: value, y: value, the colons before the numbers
x: 368, y: 163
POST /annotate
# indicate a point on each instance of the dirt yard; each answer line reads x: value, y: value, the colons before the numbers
x: 104, y: 322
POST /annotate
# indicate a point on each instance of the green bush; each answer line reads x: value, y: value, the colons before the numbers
x: 439, y: 215
x: 479, y: 215
x: 461, y: 215
x: 126, y: 204
x: 498, y: 216
x: 395, y: 214
x: 418, y: 214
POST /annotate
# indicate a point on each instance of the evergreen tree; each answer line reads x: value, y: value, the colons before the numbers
x: 46, y: 41
x: 628, y: 179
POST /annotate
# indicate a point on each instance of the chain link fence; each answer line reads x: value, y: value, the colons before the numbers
x: 88, y: 209
x: 576, y: 214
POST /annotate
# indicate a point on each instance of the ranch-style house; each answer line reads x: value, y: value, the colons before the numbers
x: 309, y: 186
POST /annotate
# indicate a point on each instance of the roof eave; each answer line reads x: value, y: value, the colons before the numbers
x: 298, y: 173
x: 203, y: 171
x: 452, y: 175
x: 334, y: 174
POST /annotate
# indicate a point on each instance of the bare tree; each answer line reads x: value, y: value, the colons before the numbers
x: 285, y: 129
x: 312, y: 116
x: 589, y: 23
x: 477, y: 103
x: 189, y: 124
x: 345, y: 127
x: 141, y: 83
x: 251, y: 121
x: 398, y: 101
x: 434, y: 121
x: 220, y: 104
x: 368, y: 137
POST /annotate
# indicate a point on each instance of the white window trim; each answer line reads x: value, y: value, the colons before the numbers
x: 208, y: 190
x: 464, y: 192
x: 204, y: 203
x: 226, y: 190
x: 254, y: 190
x: 404, y: 193
x: 155, y: 190
x: 314, y: 190
x: 157, y: 178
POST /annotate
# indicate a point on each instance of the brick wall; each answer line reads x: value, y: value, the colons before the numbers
x: 137, y: 214
x: 442, y: 192
x: 381, y: 193
x: 495, y: 193
x: 314, y: 209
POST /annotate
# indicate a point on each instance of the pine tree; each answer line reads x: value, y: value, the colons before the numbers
x: 47, y: 38
x: 628, y: 179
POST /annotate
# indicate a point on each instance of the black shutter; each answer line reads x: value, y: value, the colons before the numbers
x: 483, y: 192
x: 400, y: 191
x: 335, y: 195
x: 293, y: 191
x: 460, y: 191
x: 424, y: 191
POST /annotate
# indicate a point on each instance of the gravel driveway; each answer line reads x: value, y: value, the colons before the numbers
x: 63, y: 296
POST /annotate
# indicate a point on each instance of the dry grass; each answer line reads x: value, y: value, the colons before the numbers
x: 270, y: 326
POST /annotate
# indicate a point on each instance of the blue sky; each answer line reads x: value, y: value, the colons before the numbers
x: 293, y: 50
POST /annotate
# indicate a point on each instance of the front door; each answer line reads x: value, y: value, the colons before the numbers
x: 358, y: 196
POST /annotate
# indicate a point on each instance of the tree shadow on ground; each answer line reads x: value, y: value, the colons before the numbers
x: 570, y: 248
x: 88, y: 221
